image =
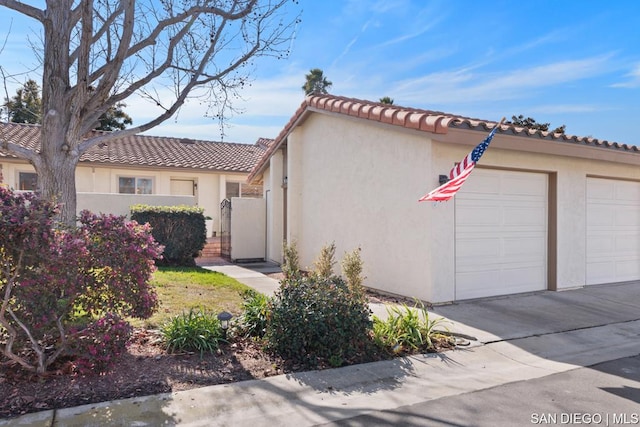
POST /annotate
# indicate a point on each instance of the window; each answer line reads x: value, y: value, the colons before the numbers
x: 27, y: 181
x: 237, y: 189
x: 135, y: 185
x: 233, y: 189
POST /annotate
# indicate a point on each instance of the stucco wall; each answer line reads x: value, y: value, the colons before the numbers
x: 358, y: 186
x: 119, y: 204
x: 248, y: 228
x: 104, y: 180
x: 274, y: 197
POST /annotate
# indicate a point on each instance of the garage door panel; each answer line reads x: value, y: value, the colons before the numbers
x: 601, y: 189
x: 600, y: 271
x: 521, y: 185
x: 627, y: 269
x: 626, y: 216
x: 629, y: 244
x: 523, y: 246
x: 613, y: 231
x: 490, y: 282
x: 627, y: 191
x: 470, y: 248
x: 501, y: 234
x: 479, y: 216
x: 604, y: 243
x: 524, y: 216
x: 482, y: 184
x: 600, y: 215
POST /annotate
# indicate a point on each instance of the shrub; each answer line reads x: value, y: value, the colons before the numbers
x: 323, y: 266
x: 195, y: 330
x: 181, y: 229
x: 51, y: 276
x: 253, y: 322
x: 291, y: 261
x: 406, y: 329
x: 100, y: 343
x: 315, y: 319
x: 352, y: 267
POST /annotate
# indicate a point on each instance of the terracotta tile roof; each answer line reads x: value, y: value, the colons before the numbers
x: 153, y: 151
x: 412, y: 118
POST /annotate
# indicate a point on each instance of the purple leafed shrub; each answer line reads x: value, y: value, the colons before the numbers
x: 54, y: 279
x: 100, y: 343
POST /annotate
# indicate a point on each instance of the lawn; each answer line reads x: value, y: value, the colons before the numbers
x: 182, y: 288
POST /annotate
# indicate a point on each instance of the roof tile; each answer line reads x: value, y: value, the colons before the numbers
x: 153, y: 151
x: 413, y: 118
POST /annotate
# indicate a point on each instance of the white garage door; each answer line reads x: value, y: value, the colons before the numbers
x: 613, y: 231
x: 501, y: 234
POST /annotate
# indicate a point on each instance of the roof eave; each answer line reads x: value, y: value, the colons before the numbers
x: 299, y: 116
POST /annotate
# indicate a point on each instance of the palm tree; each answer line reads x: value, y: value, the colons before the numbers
x: 316, y: 83
x: 386, y: 100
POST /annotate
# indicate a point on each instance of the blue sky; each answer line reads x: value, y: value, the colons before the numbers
x: 565, y: 62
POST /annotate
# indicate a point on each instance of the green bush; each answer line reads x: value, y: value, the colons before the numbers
x: 180, y: 229
x: 193, y: 331
x: 406, y: 329
x: 316, y: 319
x: 253, y: 321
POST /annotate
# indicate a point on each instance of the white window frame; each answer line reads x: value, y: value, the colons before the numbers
x: 136, y: 178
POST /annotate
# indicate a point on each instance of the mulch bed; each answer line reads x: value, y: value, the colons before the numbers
x: 146, y: 368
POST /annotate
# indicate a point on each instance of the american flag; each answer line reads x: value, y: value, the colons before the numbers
x: 460, y: 172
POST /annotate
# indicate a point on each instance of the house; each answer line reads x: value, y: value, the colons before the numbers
x: 541, y: 211
x: 146, y: 169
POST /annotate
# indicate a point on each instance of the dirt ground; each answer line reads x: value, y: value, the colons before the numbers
x: 146, y: 368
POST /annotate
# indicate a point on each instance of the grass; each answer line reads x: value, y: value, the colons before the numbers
x: 181, y: 289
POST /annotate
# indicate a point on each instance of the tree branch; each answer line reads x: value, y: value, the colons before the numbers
x: 101, y: 31
x: 25, y: 9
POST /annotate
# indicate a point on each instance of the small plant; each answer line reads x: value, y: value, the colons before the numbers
x: 291, y: 261
x: 97, y: 346
x: 193, y: 331
x: 253, y: 321
x: 317, y: 319
x: 352, y: 267
x: 323, y: 266
x: 406, y: 329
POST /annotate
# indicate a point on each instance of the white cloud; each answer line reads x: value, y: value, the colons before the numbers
x: 470, y: 85
x: 633, y: 79
x: 267, y: 105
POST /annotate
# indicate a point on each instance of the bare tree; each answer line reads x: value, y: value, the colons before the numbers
x: 97, y: 53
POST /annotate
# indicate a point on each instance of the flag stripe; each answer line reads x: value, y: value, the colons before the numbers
x: 449, y: 189
x: 460, y: 172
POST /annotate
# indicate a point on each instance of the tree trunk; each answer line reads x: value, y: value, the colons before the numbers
x: 57, y: 182
x: 58, y: 157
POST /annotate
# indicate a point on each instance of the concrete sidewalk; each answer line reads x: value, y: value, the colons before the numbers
x: 522, y: 337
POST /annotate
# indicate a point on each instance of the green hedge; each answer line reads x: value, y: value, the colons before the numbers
x: 181, y: 229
